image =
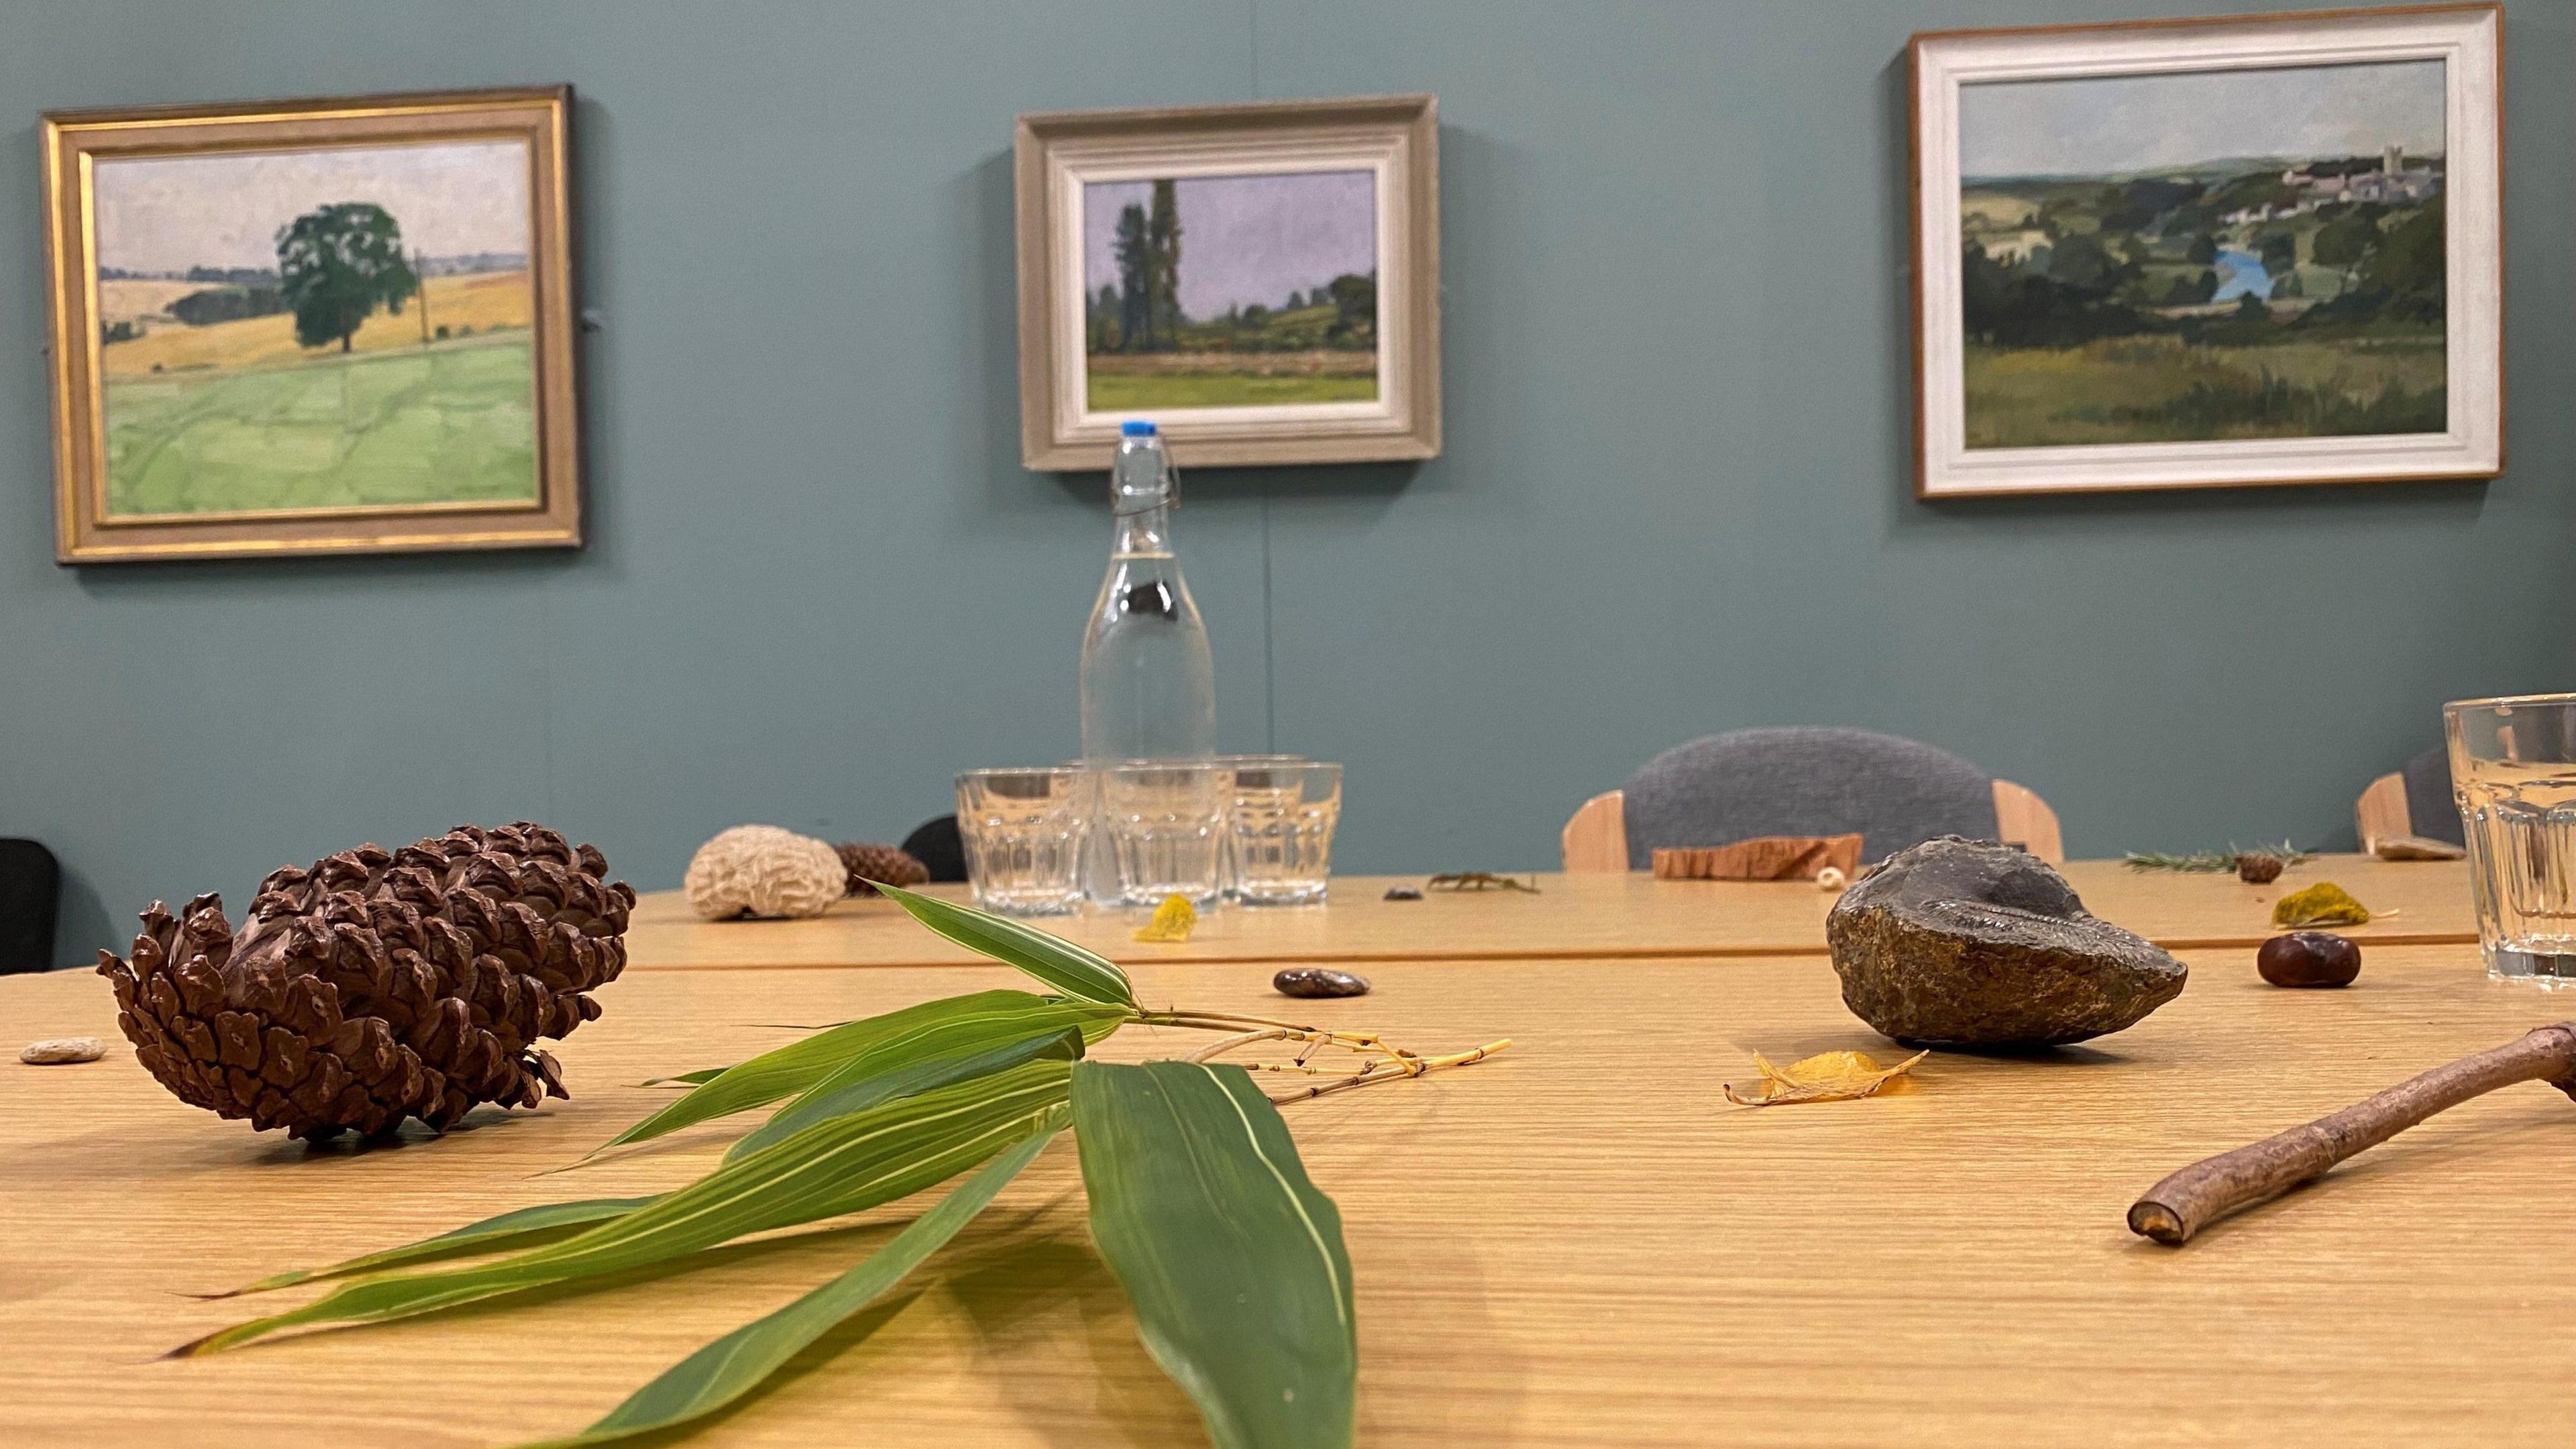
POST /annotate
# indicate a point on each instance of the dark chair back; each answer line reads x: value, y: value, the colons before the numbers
x: 31, y: 887
x: 935, y: 844
x: 2431, y: 810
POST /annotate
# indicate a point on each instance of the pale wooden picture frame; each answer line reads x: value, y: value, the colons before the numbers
x: 1396, y: 138
x: 2466, y: 38
x: 76, y: 143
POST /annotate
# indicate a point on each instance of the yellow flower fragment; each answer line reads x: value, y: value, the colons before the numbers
x: 1173, y: 920
x: 1825, y: 1077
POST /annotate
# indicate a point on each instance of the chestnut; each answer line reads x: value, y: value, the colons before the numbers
x: 2309, y: 958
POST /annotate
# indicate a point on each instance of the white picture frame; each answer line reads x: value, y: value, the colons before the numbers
x: 2465, y: 38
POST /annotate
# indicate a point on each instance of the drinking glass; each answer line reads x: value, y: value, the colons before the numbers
x: 1229, y: 874
x: 1164, y: 821
x: 2513, y: 772
x: 1022, y: 831
x: 1284, y: 814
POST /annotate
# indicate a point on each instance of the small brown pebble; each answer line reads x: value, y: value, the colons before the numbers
x: 63, y: 1051
x: 2255, y: 868
x: 1403, y: 893
x: 2309, y: 958
x: 1318, y: 981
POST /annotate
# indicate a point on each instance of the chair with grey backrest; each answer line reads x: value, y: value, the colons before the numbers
x: 1810, y: 780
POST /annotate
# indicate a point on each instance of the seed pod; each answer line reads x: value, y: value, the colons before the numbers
x: 1318, y: 981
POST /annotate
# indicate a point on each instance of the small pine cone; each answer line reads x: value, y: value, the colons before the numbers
x: 2258, y: 868
x: 889, y: 863
x: 375, y: 985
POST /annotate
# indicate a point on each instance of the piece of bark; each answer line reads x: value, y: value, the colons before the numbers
x: 2189, y: 1200
x: 1766, y: 857
x: 2416, y: 847
x: 63, y: 1051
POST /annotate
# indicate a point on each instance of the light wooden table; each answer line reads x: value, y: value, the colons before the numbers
x: 1573, y: 917
x: 1577, y: 1242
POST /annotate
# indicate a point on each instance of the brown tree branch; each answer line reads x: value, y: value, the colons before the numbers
x: 2189, y: 1200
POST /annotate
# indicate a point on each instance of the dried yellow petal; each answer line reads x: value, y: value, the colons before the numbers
x: 1824, y: 1077
x: 2322, y: 904
x: 1173, y: 920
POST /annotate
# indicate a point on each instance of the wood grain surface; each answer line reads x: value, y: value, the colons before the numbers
x: 1578, y: 916
x: 1577, y: 1242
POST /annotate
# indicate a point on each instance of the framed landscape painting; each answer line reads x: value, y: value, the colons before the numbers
x: 2172, y: 254
x: 1261, y: 281
x: 324, y: 326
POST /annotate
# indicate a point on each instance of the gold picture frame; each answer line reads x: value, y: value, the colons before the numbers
x: 175, y: 433
x: 1310, y: 360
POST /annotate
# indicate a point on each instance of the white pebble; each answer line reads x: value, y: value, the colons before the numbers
x: 61, y: 1050
x: 1831, y: 878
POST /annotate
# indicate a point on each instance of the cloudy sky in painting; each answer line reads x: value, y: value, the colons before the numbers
x: 167, y: 214
x: 2097, y: 125
x: 1245, y: 239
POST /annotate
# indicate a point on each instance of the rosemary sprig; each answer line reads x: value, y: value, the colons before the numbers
x: 2214, y: 860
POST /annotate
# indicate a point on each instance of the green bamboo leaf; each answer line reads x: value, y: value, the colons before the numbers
x: 800, y: 1064
x: 839, y: 1165
x: 935, y: 1050
x: 733, y: 1365
x: 1059, y: 963
x: 524, y: 1228
x: 859, y: 1086
x: 698, y: 1078
x: 1231, y: 1257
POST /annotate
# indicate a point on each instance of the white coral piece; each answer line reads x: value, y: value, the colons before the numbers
x: 761, y: 870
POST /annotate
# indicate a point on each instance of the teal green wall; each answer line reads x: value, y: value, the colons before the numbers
x: 1676, y: 496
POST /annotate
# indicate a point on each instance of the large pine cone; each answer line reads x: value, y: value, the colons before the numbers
x: 377, y: 986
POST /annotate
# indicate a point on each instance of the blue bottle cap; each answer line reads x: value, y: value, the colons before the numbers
x: 1136, y: 428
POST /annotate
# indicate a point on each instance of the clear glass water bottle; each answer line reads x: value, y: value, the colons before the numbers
x: 1148, y: 680
x: 1148, y: 695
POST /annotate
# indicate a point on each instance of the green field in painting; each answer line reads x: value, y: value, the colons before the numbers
x: 1214, y: 376
x: 1129, y: 392
x: 2156, y: 389
x: 451, y: 423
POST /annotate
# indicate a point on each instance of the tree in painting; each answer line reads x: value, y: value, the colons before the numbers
x: 1135, y: 272
x: 1163, y: 235
x: 336, y: 265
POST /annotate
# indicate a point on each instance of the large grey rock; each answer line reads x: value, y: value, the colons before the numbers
x: 1963, y: 943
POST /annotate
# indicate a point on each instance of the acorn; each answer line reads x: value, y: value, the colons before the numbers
x: 2258, y: 867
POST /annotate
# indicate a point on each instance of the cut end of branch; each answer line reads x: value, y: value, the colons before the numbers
x: 2151, y: 1219
x: 2213, y: 1187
